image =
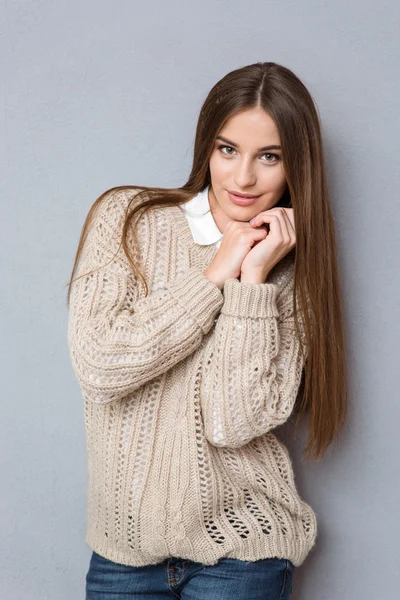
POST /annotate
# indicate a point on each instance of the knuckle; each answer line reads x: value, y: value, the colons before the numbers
x: 278, y: 209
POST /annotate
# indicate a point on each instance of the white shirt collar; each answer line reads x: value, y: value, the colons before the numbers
x: 202, y: 224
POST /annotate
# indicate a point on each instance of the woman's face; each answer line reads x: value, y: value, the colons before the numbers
x: 246, y: 158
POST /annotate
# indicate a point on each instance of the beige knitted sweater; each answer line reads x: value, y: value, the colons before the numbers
x: 181, y: 391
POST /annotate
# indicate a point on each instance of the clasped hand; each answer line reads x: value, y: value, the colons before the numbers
x: 265, y: 254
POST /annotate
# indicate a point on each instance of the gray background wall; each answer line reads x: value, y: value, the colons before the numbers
x: 98, y: 94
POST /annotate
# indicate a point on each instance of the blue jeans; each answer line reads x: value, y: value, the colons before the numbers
x: 229, y: 579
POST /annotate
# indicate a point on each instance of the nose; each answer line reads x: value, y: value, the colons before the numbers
x: 245, y: 176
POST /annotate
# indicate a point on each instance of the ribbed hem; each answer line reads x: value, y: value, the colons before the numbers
x: 249, y: 299
x: 199, y: 296
x: 295, y: 549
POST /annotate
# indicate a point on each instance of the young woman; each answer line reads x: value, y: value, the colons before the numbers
x: 193, y: 337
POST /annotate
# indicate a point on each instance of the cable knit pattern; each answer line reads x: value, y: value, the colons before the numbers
x: 181, y: 390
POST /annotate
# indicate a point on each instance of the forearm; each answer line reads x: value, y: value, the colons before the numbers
x: 252, y: 366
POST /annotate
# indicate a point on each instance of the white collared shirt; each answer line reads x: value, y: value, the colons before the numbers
x: 202, y: 224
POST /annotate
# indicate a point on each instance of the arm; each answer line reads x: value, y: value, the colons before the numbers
x: 252, y: 365
x: 118, y: 339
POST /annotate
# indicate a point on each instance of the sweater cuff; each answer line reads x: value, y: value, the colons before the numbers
x: 198, y: 295
x: 250, y: 299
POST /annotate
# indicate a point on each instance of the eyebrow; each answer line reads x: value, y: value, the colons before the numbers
x: 236, y: 146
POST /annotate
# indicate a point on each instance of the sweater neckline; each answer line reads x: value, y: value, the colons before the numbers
x: 183, y: 230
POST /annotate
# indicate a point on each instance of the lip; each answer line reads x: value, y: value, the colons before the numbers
x: 242, y: 200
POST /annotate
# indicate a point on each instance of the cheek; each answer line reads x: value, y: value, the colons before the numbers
x: 213, y: 163
x: 276, y: 178
x: 218, y: 166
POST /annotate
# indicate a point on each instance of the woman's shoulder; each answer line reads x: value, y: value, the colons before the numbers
x: 116, y: 200
x: 148, y: 228
x: 115, y: 204
x: 107, y: 217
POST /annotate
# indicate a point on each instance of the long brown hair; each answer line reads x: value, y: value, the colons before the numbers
x: 276, y: 89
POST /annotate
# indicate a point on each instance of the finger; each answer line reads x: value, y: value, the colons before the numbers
x: 285, y: 215
x: 276, y: 222
x: 285, y: 226
x: 278, y: 209
x: 290, y: 224
x: 290, y: 215
x: 274, y: 217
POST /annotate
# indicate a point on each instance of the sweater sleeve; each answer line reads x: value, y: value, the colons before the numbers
x: 252, y: 365
x: 118, y: 339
